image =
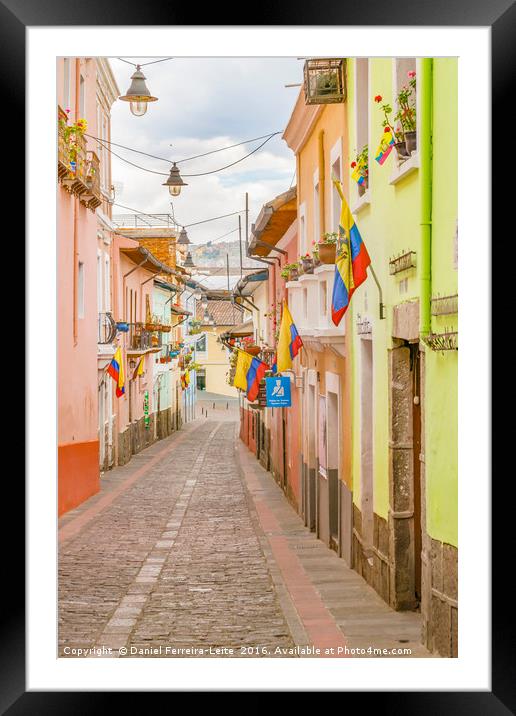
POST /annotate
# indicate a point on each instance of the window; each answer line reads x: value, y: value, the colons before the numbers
x: 107, y: 284
x: 80, y: 290
x: 302, y: 229
x: 82, y: 105
x: 402, y: 67
x: 66, y: 83
x: 335, y: 172
x: 100, y: 305
x: 317, y: 226
x: 362, y: 103
x: 362, y: 117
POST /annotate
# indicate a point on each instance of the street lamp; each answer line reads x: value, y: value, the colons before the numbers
x: 188, y: 262
x: 138, y: 94
x: 174, y: 181
x: 183, y: 237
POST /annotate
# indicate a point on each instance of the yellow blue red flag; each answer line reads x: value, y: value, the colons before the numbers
x: 116, y: 371
x: 385, y: 146
x: 248, y: 373
x: 352, y: 261
x: 289, y: 342
x: 140, y: 368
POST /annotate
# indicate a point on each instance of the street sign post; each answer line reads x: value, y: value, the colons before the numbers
x: 278, y: 392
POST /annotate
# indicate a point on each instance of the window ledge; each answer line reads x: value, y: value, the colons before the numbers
x: 362, y: 202
x: 405, y: 168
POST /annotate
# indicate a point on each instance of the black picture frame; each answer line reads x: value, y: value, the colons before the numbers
x: 500, y: 15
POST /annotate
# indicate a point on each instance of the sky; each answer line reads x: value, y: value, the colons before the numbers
x: 205, y: 104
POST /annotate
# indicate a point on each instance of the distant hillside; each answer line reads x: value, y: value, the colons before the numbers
x: 214, y: 254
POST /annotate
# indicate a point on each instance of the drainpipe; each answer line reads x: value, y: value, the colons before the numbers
x: 322, y: 222
x: 425, y: 82
x: 76, y: 218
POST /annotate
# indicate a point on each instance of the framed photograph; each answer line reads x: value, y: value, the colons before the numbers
x: 195, y: 187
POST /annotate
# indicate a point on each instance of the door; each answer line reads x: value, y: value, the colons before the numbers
x: 416, y: 438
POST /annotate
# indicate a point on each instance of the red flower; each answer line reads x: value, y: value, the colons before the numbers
x: 387, y: 129
x: 353, y: 165
x: 378, y: 98
x: 411, y: 74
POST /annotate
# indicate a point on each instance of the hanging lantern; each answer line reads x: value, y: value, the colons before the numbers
x: 174, y: 181
x: 138, y: 94
x: 188, y: 262
x: 183, y: 239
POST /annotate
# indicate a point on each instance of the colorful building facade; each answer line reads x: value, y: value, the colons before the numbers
x: 368, y: 451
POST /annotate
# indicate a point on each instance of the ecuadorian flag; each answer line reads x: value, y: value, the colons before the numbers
x: 116, y: 371
x: 352, y: 262
x: 289, y: 341
x: 249, y: 371
x: 385, y: 147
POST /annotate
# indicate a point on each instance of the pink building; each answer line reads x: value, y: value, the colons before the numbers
x: 86, y: 90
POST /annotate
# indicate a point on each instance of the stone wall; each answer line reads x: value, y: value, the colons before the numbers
x: 374, y: 563
x: 440, y: 598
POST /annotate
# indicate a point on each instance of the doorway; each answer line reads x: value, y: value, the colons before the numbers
x: 366, y: 441
x: 405, y: 493
x: 333, y: 442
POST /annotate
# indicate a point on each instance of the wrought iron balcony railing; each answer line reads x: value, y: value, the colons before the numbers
x: 106, y: 328
x: 140, y: 339
x: 78, y: 169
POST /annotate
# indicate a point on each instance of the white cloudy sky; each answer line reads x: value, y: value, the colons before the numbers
x: 204, y: 104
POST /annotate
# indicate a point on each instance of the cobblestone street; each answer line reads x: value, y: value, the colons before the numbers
x: 192, y: 546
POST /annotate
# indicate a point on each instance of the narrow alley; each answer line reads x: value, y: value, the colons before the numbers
x: 192, y: 549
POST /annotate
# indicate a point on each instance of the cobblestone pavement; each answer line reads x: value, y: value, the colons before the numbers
x: 192, y: 550
x: 173, y: 561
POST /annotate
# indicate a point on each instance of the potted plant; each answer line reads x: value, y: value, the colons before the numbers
x: 328, y: 247
x: 400, y: 145
x: 307, y: 263
x: 406, y: 114
x: 315, y: 254
x: 290, y: 272
x: 250, y: 346
x: 405, y: 132
x: 360, y: 169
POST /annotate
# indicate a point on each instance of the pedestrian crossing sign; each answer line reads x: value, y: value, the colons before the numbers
x: 278, y: 392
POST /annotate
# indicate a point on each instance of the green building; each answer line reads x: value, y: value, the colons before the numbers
x: 404, y: 327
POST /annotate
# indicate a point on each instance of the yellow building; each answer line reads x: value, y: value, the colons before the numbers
x: 211, y: 355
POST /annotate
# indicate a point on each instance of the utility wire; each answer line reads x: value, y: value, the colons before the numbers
x: 200, y: 174
x: 178, y: 223
x: 187, y: 159
x: 137, y: 64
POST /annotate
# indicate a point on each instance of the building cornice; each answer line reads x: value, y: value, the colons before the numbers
x: 106, y: 81
x: 301, y: 123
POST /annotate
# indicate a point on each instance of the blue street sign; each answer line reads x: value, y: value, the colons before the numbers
x: 278, y: 392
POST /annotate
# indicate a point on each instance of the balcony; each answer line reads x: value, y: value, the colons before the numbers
x: 309, y: 300
x: 141, y: 341
x: 78, y: 169
x: 92, y: 197
x: 106, y: 328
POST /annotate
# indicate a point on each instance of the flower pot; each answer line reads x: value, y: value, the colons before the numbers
x: 253, y: 350
x: 308, y: 265
x: 293, y: 274
x: 411, y: 141
x: 165, y: 328
x: 362, y: 188
x: 401, y: 149
x: 317, y: 260
x: 327, y: 253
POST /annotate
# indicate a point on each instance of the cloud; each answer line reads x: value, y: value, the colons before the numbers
x: 204, y: 104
